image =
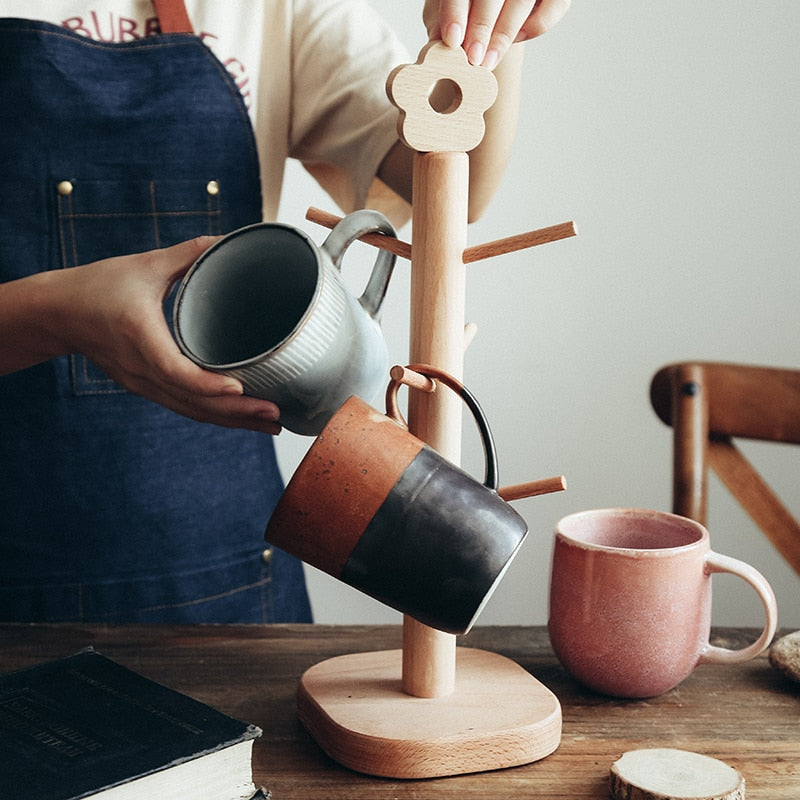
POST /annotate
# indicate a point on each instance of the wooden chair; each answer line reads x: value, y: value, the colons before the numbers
x: 708, y: 404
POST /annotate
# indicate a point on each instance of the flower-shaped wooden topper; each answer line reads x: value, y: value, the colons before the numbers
x: 442, y: 99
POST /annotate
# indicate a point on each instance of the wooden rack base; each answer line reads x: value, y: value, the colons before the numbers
x: 498, y: 716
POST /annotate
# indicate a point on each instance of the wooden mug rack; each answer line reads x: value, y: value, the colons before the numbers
x: 432, y: 709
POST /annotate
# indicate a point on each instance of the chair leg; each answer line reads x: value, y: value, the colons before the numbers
x: 756, y: 497
x: 690, y: 442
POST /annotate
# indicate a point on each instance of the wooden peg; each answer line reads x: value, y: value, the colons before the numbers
x: 470, y: 331
x: 479, y: 252
x: 533, y: 488
x: 380, y: 240
x: 412, y: 379
x: 520, y: 241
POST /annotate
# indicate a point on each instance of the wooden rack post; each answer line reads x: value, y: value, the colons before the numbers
x: 438, y: 291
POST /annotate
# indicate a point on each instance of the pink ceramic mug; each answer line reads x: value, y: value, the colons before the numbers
x: 630, y: 600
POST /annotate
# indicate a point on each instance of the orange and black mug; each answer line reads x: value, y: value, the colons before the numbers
x: 377, y: 508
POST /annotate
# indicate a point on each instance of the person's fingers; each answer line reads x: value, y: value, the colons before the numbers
x: 513, y: 15
x: 487, y: 28
x: 546, y: 15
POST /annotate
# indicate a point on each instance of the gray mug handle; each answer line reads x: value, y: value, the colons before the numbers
x: 345, y: 232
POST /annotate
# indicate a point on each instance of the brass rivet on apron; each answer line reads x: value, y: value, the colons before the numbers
x: 212, y: 187
x: 266, y: 556
x: 64, y: 187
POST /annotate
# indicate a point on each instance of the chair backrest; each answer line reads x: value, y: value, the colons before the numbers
x: 708, y: 404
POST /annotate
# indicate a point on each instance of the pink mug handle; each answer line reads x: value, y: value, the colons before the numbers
x: 715, y: 562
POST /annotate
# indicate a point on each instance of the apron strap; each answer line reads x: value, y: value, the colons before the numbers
x: 172, y: 16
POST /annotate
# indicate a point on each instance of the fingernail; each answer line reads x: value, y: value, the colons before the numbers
x: 475, y: 53
x: 491, y: 59
x: 453, y: 35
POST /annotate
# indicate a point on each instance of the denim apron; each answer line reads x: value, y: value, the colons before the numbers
x: 113, y: 508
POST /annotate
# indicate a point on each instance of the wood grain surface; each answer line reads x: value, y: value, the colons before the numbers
x: 747, y: 715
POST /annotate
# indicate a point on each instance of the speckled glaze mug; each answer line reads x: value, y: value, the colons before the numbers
x: 377, y: 508
x: 267, y: 306
x: 630, y: 600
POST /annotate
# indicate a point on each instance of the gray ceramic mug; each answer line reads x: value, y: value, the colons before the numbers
x: 267, y: 306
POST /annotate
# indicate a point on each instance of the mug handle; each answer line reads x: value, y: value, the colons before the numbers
x: 489, y: 450
x: 344, y: 233
x: 715, y: 562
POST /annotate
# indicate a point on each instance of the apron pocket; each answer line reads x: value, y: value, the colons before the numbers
x: 98, y: 219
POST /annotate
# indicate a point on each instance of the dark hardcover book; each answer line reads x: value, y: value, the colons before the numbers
x: 85, y: 726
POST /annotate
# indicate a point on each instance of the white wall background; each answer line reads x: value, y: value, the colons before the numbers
x: 669, y: 133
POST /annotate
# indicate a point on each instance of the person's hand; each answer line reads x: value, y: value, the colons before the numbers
x: 487, y: 28
x: 112, y: 313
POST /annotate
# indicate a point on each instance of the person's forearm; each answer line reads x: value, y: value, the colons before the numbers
x: 488, y: 161
x: 26, y: 321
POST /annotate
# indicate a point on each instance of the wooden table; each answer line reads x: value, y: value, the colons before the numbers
x: 746, y: 715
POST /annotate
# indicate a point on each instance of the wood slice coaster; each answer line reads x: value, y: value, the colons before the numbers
x: 784, y: 655
x: 667, y: 774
